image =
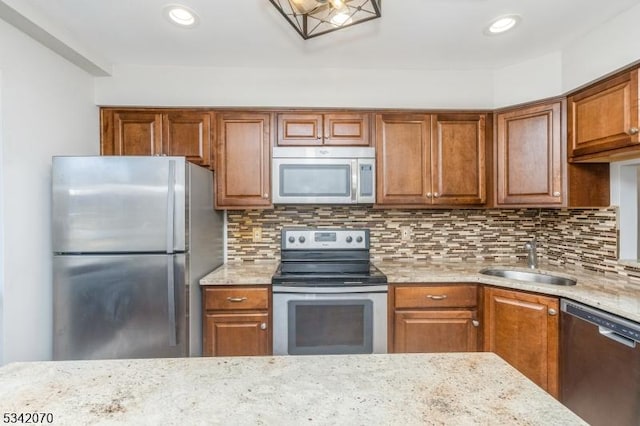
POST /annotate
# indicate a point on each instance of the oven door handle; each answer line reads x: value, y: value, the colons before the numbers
x: 331, y: 290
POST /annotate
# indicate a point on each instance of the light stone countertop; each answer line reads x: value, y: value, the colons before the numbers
x: 398, y: 389
x: 241, y: 273
x: 610, y: 293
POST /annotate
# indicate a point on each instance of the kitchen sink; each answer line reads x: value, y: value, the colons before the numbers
x: 535, y: 277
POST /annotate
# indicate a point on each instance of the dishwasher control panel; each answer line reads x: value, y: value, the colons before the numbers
x: 621, y: 326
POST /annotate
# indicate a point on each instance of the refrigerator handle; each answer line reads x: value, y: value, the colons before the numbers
x: 171, y: 297
x: 171, y: 200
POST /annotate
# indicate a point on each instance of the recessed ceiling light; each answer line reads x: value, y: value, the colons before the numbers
x: 502, y: 24
x: 181, y: 15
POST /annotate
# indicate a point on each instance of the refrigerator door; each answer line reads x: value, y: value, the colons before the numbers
x: 118, y: 204
x: 120, y: 306
x: 206, y: 245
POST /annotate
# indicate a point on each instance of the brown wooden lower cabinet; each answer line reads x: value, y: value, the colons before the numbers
x: 434, y: 318
x: 236, y: 334
x: 237, y: 321
x: 436, y: 331
x: 522, y: 328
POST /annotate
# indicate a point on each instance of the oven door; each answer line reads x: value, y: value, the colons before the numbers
x: 329, y: 320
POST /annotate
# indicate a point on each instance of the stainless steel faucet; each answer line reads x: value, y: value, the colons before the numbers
x: 532, y: 256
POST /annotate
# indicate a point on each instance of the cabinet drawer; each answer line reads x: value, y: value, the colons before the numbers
x: 450, y: 296
x: 236, y: 298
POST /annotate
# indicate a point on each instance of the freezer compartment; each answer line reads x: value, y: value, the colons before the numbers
x: 118, y: 204
x: 121, y: 306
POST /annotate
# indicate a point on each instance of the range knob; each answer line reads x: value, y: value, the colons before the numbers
x: 359, y: 239
x: 292, y: 239
x: 349, y: 239
x: 301, y: 239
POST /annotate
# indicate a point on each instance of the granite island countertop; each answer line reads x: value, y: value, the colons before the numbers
x: 383, y: 389
x: 613, y: 294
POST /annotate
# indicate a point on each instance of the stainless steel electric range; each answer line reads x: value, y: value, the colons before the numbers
x: 327, y: 296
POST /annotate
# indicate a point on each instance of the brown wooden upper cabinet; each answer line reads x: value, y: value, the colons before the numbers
x: 530, y: 156
x: 425, y: 159
x: 604, y: 119
x: 148, y: 132
x: 342, y: 129
x: 243, y: 160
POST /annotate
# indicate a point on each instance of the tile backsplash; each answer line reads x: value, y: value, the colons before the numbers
x: 582, y: 237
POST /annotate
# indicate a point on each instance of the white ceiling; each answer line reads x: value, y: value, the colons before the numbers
x: 412, y: 34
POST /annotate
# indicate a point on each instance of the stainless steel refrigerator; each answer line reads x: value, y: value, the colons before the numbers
x: 132, y: 236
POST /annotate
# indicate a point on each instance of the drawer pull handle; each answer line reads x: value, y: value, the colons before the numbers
x: 437, y: 297
x: 236, y: 299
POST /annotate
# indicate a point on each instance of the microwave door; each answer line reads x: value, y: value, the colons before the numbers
x: 317, y: 181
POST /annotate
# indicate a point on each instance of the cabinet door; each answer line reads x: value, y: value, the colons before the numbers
x: 523, y: 329
x: 346, y: 129
x: 605, y: 116
x: 236, y: 334
x: 299, y: 129
x: 133, y: 133
x: 188, y: 134
x: 435, y: 331
x: 458, y: 159
x: 530, y: 156
x: 243, y: 160
x: 403, y: 159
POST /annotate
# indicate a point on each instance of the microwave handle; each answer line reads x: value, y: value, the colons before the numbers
x: 354, y: 181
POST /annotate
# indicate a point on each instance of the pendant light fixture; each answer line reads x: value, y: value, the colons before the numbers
x: 312, y: 18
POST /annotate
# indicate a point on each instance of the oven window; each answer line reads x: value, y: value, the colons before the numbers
x: 313, y: 180
x: 330, y: 327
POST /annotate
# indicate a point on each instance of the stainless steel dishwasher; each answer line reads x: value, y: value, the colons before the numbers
x: 600, y: 365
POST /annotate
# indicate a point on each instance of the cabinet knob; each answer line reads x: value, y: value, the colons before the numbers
x: 428, y: 195
x: 475, y: 323
x: 556, y: 194
x: 436, y: 194
x: 634, y: 131
x: 263, y: 326
x: 553, y: 312
x: 266, y: 195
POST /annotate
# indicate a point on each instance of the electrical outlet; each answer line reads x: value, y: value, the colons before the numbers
x: 257, y: 234
x: 405, y: 233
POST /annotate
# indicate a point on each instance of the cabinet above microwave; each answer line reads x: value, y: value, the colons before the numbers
x: 326, y: 175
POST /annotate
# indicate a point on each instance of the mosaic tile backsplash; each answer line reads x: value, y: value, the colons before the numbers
x: 584, y: 238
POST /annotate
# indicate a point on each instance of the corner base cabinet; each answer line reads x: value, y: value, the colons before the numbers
x: 434, y: 318
x: 522, y: 328
x: 237, y: 321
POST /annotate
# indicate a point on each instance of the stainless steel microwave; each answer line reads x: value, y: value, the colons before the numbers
x: 324, y: 175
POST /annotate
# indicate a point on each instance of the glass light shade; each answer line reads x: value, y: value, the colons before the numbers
x: 312, y: 18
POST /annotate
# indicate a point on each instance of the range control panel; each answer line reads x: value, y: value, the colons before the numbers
x: 324, y: 239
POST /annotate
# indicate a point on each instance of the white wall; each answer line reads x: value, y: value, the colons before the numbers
x: 602, y: 51
x: 358, y: 88
x: 528, y: 81
x: 48, y: 109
